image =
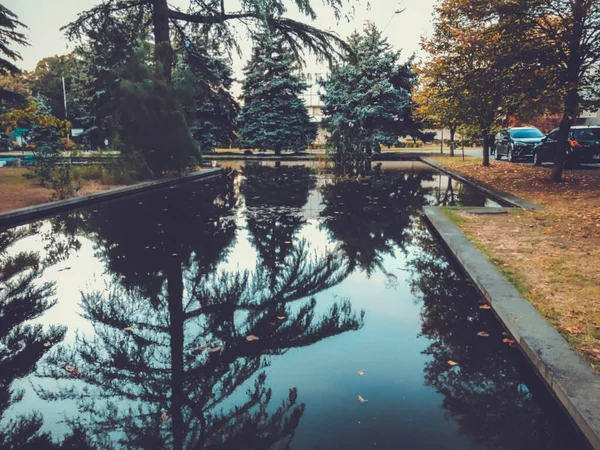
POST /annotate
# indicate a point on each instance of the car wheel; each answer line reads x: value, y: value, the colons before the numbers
x: 510, y: 156
x: 537, y: 161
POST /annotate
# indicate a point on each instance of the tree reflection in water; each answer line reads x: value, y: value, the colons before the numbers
x: 370, y: 215
x: 489, y: 393
x: 274, y: 199
x: 146, y: 378
x: 23, y: 298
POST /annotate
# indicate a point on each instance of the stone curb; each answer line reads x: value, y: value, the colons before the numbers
x: 501, y: 197
x: 19, y: 216
x: 569, y: 377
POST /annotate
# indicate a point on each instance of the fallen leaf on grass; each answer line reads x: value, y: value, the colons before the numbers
x: 483, y: 334
x: 128, y: 329
x: 361, y: 372
x: 362, y: 400
x: 215, y: 349
x: 164, y: 416
x: 485, y: 307
x: 574, y: 330
x: 252, y: 338
x: 452, y: 363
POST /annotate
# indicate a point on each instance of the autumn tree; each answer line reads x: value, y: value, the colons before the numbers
x: 436, y: 105
x: 274, y: 116
x: 472, y: 57
x: 571, y: 31
x: 9, y: 36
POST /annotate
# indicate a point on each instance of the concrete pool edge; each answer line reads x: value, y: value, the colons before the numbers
x: 572, y: 381
x: 501, y: 197
x: 22, y: 215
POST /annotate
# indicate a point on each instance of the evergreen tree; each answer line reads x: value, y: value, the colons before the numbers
x: 213, y: 109
x: 9, y: 35
x: 273, y: 117
x: 367, y: 99
x: 151, y: 120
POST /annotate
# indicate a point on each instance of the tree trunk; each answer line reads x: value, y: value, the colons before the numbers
x: 452, y: 132
x: 560, y: 153
x: 486, y: 148
x: 571, y: 104
x: 163, y: 53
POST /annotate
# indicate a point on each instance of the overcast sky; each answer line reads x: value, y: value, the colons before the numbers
x: 45, y: 17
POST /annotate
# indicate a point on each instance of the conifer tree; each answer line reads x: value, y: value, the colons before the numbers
x: 367, y: 99
x: 273, y: 117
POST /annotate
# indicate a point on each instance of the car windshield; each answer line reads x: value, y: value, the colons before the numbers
x: 589, y: 134
x: 526, y: 133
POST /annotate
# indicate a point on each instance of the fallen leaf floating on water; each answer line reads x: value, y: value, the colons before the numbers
x: 483, y: 334
x: 164, y: 416
x: 504, y: 333
x: 510, y: 342
x: 252, y: 338
x: 281, y: 317
x: 73, y: 370
x: 486, y: 306
x: 361, y: 372
x: 129, y: 329
x: 47, y: 344
x: 199, y: 349
x: 362, y: 400
x: 452, y: 363
x: 215, y: 349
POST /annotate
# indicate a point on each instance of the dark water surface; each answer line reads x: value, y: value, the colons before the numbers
x: 108, y: 314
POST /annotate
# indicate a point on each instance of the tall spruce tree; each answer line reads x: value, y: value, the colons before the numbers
x: 367, y: 99
x: 273, y: 117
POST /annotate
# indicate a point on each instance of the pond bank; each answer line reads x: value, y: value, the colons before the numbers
x: 573, y: 382
x: 22, y: 215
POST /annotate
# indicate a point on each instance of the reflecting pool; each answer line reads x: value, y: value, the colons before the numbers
x: 273, y: 308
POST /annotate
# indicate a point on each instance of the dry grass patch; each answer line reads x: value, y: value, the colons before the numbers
x: 553, y: 255
x: 17, y: 192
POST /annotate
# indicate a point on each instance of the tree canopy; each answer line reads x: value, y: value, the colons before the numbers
x: 211, y: 18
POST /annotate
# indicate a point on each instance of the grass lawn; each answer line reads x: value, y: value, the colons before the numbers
x: 16, y: 191
x: 552, y: 256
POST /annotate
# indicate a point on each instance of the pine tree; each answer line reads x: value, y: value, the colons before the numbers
x: 9, y: 23
x: 367, y: 99
x: 273, y: 117
x: 213, y: 109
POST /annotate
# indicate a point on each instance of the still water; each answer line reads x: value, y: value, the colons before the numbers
x: 274, y: 308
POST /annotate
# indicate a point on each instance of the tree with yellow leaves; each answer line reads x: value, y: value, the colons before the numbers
x: 478, y: 64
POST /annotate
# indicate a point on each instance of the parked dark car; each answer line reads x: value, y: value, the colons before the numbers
x: 518, y: 142
x: 583, y: 146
